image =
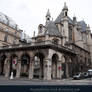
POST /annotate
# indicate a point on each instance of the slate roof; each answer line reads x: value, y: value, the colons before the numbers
x: 83, y: 25
x: 51, y: 29
x: 60, y: 18
x: 8, y: 21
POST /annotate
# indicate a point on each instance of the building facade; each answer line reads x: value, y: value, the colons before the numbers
x: 61, y: 49
x: 9, y: 31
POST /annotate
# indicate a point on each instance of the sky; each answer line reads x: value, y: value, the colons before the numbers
x: 28, y: 14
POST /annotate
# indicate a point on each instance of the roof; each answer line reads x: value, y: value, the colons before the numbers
x: 60, y: 18
x: 83, y: 25
x: 8, y: 21
x: 52, y: 29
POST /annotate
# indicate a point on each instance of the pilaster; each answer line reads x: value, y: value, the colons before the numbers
x: 47, y: 70
x: 18, y: 68
x: 59, y: 69
x: 7, y: 66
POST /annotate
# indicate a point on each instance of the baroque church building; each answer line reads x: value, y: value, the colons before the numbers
x: 61, y: 49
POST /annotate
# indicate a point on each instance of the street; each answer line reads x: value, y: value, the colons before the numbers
x: 26, y: 81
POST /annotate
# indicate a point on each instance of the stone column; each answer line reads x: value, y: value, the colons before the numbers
x: 7, y: 66
x: 47, y: 70
x: 54, y: 70
x: 18, y: 71
x: 31, y: 68
x: 67, y: 71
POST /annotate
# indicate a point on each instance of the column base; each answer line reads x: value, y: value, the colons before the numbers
x: 17, y: 76
x: 30, y: 77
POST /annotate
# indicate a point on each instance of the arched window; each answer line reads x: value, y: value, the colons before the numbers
x: 55, y: 41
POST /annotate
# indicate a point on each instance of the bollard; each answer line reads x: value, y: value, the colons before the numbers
x: 11, y: 77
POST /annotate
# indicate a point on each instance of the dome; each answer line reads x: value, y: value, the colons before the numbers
x: 8, y: 21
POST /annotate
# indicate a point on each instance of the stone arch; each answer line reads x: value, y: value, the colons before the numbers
x: 2, y: 62
x: 54, y: 69
x: 25, y: 64
x: 39, y: 65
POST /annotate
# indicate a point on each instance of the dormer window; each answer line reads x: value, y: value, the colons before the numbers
x: 40, y: 28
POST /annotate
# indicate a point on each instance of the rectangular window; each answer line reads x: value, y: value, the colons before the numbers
x: 70, y: 34
x: 6, y: 38
x: 14, y: 41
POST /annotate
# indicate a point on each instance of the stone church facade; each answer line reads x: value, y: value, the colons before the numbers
x: 61, y: 49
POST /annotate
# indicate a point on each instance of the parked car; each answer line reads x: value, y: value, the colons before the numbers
x: 78, y: 76
x: 90, y: 73
x: 85, y: 74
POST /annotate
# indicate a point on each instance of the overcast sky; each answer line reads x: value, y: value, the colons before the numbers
x: 28, y: 14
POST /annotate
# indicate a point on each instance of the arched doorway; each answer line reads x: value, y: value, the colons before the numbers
x: 2, y: 61
x: 39, y: 66
x: 54, y: 66
x: 25, y: 62
x: 13, y: 64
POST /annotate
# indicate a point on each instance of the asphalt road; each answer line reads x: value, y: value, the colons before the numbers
x: 26, y: 81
